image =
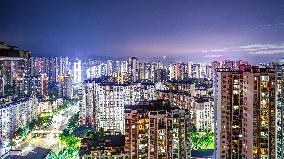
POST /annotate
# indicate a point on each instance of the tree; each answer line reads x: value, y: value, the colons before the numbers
x: 51, y: 155
x: 21, y: 132
x: 202, y: 140
x: 65, y: 132
x: 71, y: 145
x: 73, y: 122
x: 70, y: 140
x: 31, y: 126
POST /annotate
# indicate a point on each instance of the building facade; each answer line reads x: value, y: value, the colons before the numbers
x: 14, y: 115
x: 280, y: 109
x: 102, y: 103
x: 203, y: 114
x: 155, y: 130
x: 245, y: 113
x: 66, y: 87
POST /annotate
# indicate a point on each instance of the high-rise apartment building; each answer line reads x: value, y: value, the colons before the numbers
x: 196, y: 70
x: 245, y: 113
x: 97, y: 71
x: 65, y: 87
x: 13, y: 63
x: 14, y: 115
x: 2, y: 84
x: 77, y: 71
x: 279, y: 109
x: 209, y: 71
x: 33, y: 85
x: 203, y: 114
x: 174, y: 72
x: 109, y: 67
x: 51, y: 70
x: 63, y: 67
x: 53, y: 67
x: 155, y: 130
x: 103, y: 102
x: 44, y: 85
x: 133, y: 68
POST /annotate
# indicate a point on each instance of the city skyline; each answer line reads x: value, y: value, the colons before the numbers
x: 209, y: 30
x: 133, y: 79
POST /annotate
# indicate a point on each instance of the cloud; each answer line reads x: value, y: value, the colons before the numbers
x: 213, y: 56
x: 212, y: 51
x: 263, y: 48
x: 219, y: 50
x: 264, y: 27
x: 252, y: 49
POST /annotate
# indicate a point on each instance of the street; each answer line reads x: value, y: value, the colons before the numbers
x: 49, y: 137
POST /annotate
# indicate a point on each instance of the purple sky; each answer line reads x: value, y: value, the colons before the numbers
x: 212, y: 28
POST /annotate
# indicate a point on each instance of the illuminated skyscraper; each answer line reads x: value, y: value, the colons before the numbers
x: 133, y: 68
x: 77, y: 71
x: 62, y: 67
x: 51, y: 71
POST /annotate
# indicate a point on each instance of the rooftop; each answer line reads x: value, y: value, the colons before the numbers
x: 114, y: 140
x: 175, y: 92
x: 186, y: 81
x: 201, y: 99
x: 15, y: 101
x: 153, y: 105
x: 104, y: 81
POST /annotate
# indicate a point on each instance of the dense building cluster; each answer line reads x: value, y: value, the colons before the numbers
x: 18, y: 113
x: 149, y: 109
x: 26, y: 91
x: 105, y: 89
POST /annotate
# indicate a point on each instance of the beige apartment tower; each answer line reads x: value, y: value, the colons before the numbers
x: 245, y: 113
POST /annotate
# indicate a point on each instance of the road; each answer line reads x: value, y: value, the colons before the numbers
x: 49, y: 138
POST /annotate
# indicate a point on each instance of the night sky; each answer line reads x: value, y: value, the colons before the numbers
x: 212, y: 28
